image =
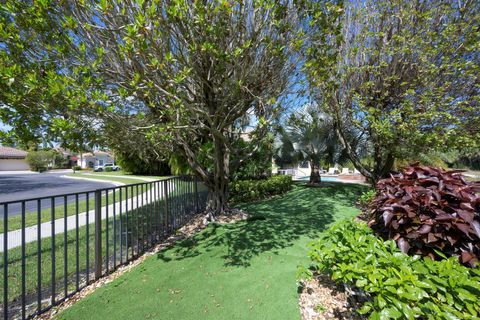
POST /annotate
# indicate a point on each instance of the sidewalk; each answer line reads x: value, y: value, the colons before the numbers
x: 31, y: 233
x: 93, y: 175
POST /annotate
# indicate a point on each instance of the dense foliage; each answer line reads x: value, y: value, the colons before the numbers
x: 259, y: 165
x: 397, y: 286
x: 252, y: 190
x: 133, y: 163
x: 429, y: 210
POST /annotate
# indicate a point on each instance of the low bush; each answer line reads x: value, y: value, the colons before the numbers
x: 366, y: 198
x: 77, y: 168
x: 396, y: 286
x: 429, y: 210
x: 108, y: 169
x: 252, y: 190
x: 40, y: 160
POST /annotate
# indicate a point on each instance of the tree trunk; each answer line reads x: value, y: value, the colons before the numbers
x: 315, y: 177
x: 218, y: 187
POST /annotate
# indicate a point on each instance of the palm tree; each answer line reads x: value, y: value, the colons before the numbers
x: 310, y: 135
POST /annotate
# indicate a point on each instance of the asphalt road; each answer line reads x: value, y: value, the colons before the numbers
x: 15, y: 187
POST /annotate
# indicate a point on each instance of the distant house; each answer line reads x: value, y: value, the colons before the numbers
x: 12, y: 159
x: 96, y: 158
x: 300, y: 169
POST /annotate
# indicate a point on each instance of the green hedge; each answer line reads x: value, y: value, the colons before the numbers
x: 252, y: 190
x: 398, y: 286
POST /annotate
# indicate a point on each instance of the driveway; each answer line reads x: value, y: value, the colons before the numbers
x: 26, y: 186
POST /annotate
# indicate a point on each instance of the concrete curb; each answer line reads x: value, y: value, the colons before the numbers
x: 125, y: 177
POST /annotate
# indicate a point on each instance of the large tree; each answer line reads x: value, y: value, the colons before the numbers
x: 404, y: 74
x: 197, y: 71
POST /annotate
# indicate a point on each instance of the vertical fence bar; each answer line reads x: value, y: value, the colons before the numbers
x: 195, y: 187
x: 134, y: 219
x: 175, y: 201
x: 65, y: 241
x: 52, y: 222
x: 142, y: 215
x: 160, y: 207
x: 139, y: 235
x: 23, y: 262
x: 155, y: 210
x: 121, y: 225
x: 107, y: 257
x: 87, y: 230
x: 152, y: 229
x: 165, y: 201
x: 114, y: 230
x: 5, y: 261
x: 126, y: 223
x: 39, y: 255
x: 147, y: 214
x: 77, y: 252
x: 98, y: 234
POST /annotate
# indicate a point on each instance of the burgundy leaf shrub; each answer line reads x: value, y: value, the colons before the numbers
x: 429, y: 211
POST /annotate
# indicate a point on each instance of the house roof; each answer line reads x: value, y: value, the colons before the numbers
x: 102, y: 152
x: 96, y: 153
x: 12, y: 153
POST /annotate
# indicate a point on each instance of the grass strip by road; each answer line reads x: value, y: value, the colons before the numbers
x: 31, y: 256
x: 245, y: 270
x: 15, y: 222
x: 119, y: 173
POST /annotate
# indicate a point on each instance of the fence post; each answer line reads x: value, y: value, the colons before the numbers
x: 195, y: 187
x: 165, y: 201
x: 98, y: 234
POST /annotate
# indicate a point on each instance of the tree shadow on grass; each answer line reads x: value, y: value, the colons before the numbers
x: 274, y: 224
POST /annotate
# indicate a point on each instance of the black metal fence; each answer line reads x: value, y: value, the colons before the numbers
x: 54, y: 246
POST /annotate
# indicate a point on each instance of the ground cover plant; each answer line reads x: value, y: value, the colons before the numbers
x: 429, y: 211
x: 244, y: 270
x: 396, y: 286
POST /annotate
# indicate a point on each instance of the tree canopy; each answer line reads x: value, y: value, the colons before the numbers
x: 189, y: 75
x: 182, y: 81
x: 404, y: 74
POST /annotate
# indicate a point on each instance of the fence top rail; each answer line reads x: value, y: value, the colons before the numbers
x: 2, y: 204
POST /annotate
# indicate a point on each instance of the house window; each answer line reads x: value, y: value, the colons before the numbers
x: 100, y: 162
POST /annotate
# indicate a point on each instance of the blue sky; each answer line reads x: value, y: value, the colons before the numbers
x: 4, y: 126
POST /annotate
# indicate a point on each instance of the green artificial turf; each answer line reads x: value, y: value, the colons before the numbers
x: 244, y: 270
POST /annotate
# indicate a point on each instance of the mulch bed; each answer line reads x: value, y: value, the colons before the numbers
x: 322, y: 298
x: 196, y: 224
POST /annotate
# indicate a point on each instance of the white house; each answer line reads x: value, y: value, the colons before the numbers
x: 298, y: 170
x: 96, y: 158
x: 12, y: 159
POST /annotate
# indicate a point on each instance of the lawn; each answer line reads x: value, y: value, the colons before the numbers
x: 244, y: 270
